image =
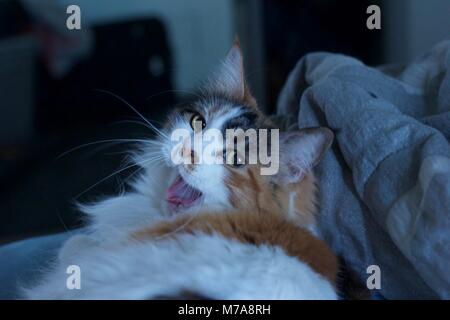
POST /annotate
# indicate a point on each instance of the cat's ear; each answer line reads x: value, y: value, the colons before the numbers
x: 300, y: 151
x: 230, y: 78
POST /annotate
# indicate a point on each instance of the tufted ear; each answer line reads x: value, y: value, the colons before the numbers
x: 230, y: 78
x: 300, y: 151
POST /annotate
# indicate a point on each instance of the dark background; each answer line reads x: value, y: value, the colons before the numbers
x: 151, y: 54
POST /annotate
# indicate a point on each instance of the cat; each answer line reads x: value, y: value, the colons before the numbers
x: 224, y: 102
x: 221, y: 231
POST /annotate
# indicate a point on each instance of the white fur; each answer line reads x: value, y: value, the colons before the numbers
x: 144, y: 205
x: 114, y: 267
x: 209, y: 265
x: 208, y: 178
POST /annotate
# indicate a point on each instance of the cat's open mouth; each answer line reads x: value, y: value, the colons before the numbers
x: 181, y: 195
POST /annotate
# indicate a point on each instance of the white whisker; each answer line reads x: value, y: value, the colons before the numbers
x: 159, y: 132
x: 112, y: 175
x: 150, y: 142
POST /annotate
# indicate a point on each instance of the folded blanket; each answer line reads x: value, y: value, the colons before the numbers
x: 385, y: 187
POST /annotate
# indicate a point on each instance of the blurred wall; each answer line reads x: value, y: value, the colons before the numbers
x: 200, y: 31
x: 413, y: 26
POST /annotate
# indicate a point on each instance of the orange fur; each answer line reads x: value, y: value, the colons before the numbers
x: 250, y: 190
x: 257, y: 229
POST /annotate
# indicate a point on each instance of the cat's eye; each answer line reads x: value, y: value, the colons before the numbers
x: 197, y: 122
x: 234, y: 159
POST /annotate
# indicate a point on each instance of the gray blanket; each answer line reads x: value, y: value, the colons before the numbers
x: 385, y: 187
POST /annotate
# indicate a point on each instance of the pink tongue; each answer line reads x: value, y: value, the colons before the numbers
x: 181, y: 194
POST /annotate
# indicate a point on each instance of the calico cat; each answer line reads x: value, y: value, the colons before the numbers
x: 164, y: 189
x: 221, y: 231
x: 226, y: 103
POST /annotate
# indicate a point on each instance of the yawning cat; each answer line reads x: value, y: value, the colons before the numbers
x: 219, y: 230
x: 166, y: 189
